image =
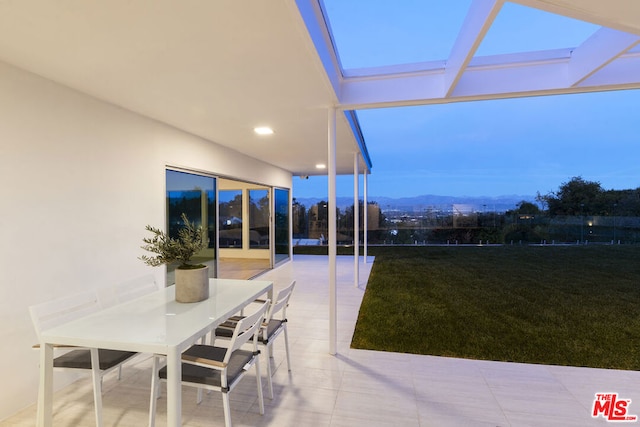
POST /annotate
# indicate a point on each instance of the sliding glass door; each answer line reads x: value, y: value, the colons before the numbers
x: 247, y: 225
x: 281, y: 222
x: 259, y: 214
x: 195, y: 196
x: 231, y: 214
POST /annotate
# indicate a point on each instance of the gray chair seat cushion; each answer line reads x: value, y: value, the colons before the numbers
x: 272, y: 327
x: 200, y: 375
x: 81, y: 359
x: 225, y: 330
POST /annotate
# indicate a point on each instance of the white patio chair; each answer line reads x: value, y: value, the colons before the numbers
x: 217, y: 368
x: 273, y: 325
x: 53, y: 313
x: 136, y: 287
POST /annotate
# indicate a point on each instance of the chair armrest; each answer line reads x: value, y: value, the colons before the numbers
x: 37, y: 346
x: 202, y: 361
x: 230, y: 323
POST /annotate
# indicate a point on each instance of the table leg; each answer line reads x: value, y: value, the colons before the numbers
x: 45, y: 391
x: 270, y: 293
x: 174, y: 388
x: 97, y: 385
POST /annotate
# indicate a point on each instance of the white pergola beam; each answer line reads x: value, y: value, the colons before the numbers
x: 492, y: 78
x: 623, y: 73
x: 604, y: 46
x: 492, y: 83
x: 479, y: 18
x: 391, y: 88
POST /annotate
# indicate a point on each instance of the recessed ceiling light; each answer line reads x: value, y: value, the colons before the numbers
x: 321, y: 166
x: 263, y: 130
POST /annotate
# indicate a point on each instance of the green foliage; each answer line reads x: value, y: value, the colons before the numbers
x: 579, y: 197
x: 525, y: 207
x: 523, y: 233
x: 190, y: 241
x: 576, y: 306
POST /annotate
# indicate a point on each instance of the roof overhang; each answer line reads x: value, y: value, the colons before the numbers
x: 215, y: 69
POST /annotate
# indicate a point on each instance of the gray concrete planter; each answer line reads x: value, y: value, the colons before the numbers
x: 192, y: 285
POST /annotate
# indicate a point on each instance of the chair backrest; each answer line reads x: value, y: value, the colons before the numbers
x: 248, y: 327
x: 280, y: 302
x: 56, y: 312
x: 136, y: 287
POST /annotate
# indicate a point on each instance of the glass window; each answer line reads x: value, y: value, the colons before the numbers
x: 281, y: 197
x: 259, y: 219
x: 230, y: 218
x: 193, y: 195
x: 373, y: 34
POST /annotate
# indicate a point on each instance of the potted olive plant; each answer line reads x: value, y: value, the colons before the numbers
x: 192, y: 280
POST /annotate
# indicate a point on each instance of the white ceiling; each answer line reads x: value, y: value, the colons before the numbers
x: 215, y: 69
x: 218, y: 68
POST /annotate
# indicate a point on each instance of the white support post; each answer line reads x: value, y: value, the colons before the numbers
x: 290, y: 236
x: 333, y: 251
x: 356, y: 221
x: 365, y: 215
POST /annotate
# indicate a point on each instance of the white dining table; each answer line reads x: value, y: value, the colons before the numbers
x: 154, y: 323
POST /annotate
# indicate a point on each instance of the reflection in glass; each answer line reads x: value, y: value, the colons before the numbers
x: 193, y: 195
x: 230, y: 208
x: 281, y: 197
x: 259, y: 219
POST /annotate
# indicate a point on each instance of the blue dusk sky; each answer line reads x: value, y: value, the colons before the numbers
x: 485, y: 148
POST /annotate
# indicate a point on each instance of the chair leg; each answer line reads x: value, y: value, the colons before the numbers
x: 227, y: 409
x: 97, y: 385
x: 286, y: 345
x: 155, y: 392
x: 268, y: 349
x: 203, y: 341
x: 259, y: 384
x: 119, y: 372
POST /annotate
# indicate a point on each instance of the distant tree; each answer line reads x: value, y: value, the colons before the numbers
x: 300, y: 219
x: 582, y: 197
x: 375, y: 216
x: 625, y: 203
x: 320, y: 212
x: 525, y: 207
x: 576, y: 197
x: 542, y: 199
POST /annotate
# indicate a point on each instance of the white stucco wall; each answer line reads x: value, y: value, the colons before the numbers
x: 80, y: 179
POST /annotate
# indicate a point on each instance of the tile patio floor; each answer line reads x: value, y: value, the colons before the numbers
x: 359, y: 387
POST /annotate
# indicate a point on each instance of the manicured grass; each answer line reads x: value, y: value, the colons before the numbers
x: 577, y: 306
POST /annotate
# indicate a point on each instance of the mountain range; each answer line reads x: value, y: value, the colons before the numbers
x: 423, y: 202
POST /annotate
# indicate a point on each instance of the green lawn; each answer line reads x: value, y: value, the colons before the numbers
x: 577, y: 306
